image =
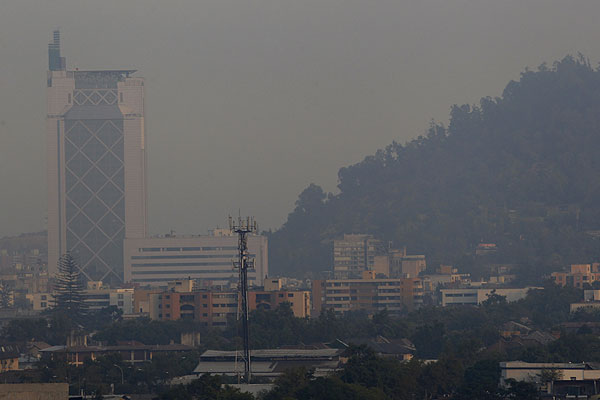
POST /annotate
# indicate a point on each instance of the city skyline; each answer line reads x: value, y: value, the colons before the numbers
x: 331, y: 81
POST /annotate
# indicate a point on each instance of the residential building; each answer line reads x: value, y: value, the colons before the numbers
x: 381, y: 266
x: 591, y: 301
x: 474, y: 296
x: 299, y: 301
x: 207, y: 259
x: 96, y: 297
x: 403, y: 265
x: 40, y: 301
x: 502, y: 273
x: 354, y: 254
x: 142, y: 300
x: 445, y: 276
x: 578, y: 276
x: 397, y: 264
x: 215, y: 308
x: 370, y: 294
x: 207, y: 307
x: 9, y: 358
x: 96, y: 167
x: 99, y: 298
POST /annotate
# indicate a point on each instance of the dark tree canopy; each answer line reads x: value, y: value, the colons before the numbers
x: 520, y: 171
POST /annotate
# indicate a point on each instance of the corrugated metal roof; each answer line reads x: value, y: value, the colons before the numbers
x: 216, y: 367
x: 275, y: 353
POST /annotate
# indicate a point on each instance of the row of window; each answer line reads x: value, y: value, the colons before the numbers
x: 364, y: 284
x: 186, y: 273
x: 205, y: 248
x: 196, y: 264
x: 177, y: 257
x: 166, y: 279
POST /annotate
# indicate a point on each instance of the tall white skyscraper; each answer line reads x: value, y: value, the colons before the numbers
x: 96, y: 165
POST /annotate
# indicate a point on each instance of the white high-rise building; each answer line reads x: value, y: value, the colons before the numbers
x: 96, y: 165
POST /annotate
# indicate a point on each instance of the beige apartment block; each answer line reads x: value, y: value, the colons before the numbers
x: 579, y: 275
x: 368, y: 294
x: 355, y: 253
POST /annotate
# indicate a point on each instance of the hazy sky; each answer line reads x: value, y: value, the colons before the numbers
x: 249, y: 101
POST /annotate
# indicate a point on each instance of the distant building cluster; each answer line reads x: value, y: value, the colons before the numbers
x: 97, y: 211
x: 216, y: 307
x: 356, y: 253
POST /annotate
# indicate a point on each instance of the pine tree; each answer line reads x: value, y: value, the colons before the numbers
x: 69, y: 296
x: 6, y: 295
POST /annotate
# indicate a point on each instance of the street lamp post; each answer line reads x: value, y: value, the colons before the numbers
x: 120, y: 369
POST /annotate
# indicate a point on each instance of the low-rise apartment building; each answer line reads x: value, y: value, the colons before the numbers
x: 355, y: 253
x: 369, y: 294
x: 216, y: 307
x: 579, y: 275
x: 96, y: 297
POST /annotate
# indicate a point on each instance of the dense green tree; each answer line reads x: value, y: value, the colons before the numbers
x: 207, y: 387
x: 481, y: 381
x: 429, y: 340
x: 520, y: 390
x: 518, y: 170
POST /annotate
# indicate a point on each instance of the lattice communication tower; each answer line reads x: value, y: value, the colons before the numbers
x: 243, y: 228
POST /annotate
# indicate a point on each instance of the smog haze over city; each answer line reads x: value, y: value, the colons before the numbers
x: 414, y: 188
x: 258, y: 99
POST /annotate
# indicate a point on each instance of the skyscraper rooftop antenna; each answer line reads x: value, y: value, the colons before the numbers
x: 243, y: 228
x: 55, y: 61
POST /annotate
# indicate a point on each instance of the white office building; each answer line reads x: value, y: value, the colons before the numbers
x: 208, y: 259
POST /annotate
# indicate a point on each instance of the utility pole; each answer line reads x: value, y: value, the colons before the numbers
x: 243, y: 228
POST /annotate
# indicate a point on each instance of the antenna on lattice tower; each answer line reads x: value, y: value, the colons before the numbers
x: 243, y: 228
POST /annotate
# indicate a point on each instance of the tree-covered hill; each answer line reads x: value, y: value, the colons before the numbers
x: 521, y: 171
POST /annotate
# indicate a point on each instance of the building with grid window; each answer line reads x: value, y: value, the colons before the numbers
x: 96, y: 165
x: 354, y: 254
x: 368, y: 294
x: 206, y: 259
